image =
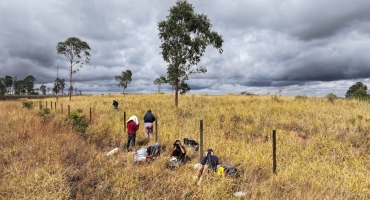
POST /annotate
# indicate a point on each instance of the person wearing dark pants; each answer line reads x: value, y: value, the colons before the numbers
x: 132, y: 127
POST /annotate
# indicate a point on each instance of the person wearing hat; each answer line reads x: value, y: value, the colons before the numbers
x: 132, y: 125
x: 210, y: 160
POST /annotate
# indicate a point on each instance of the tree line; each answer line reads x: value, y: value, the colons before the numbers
x: 12, y: 86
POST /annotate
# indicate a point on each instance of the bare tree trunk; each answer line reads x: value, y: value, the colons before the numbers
x: 177, y: 88
x: 70, y: 82
x: 177, y: 96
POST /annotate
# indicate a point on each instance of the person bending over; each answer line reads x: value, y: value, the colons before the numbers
x: 148, y: 123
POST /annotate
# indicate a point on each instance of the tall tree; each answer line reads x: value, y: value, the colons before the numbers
x: 8, y: 81
x: 359, y: 87
x: 124, y: 79
x: 160, y: 81
x: 58, y: 85
x: 20, y: 87
x: 3, y: 87
x: 43, y: 89
x: 14, y: 80
x: 62, y: 85
x: 75, y: 51
x: 29, y: 83
x: 185, y: 36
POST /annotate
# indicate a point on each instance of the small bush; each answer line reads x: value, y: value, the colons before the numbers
x: 79, y: 122
x: 331, y: 97
x: 301, y: 97
x: 44, y: 112
x: 27, y: 104
x: 246, y: 93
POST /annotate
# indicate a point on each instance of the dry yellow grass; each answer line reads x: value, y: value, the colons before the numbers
x: 322, y: 148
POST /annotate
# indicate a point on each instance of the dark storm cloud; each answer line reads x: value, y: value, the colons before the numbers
x: 305, y: 20
x: 267, y: 44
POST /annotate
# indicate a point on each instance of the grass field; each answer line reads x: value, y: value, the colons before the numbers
x: 322, y: 148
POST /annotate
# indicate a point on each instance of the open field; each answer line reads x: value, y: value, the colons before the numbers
x: 322, y: 148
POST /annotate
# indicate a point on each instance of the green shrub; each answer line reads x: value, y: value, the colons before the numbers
x: 27, y: 104
x: 246, y: 93
x: 79, y: 122
x: 331, y: 97
x: 44, y: 112
x: 301, y: 97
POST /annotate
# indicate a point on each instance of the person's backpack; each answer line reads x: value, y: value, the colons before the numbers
x: 228, y: 170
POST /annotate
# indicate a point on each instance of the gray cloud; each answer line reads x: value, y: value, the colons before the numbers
x: 311, y: 47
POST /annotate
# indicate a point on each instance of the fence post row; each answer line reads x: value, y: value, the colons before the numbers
x: 274, y: 151
x: 201, y: 140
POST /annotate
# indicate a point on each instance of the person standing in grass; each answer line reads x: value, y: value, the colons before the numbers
x: 148, y: 123
x: 115, y: 104
x: 132, y: 125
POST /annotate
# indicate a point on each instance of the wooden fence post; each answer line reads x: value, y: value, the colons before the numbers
x: 46, y: 106
x: 124, y: 121
x: 55, y: 106
x: 274, y: 151
x: 90, y: 115
x: 61, y: 108
x: 156, y: 129
x: 69, y: 110
x: 51, y: 105
x: 201, y: 140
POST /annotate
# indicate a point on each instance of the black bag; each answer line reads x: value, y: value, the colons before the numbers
x: 230, y: 170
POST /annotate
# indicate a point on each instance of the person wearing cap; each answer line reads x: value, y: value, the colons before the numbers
x: 178, y: 154
x: 148, y: 123
x: 132, y: 125
x: 210, y: 160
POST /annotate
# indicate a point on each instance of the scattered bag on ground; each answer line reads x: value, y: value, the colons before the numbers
x: 227, y: 170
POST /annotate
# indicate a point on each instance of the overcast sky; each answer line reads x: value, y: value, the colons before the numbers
x: 302, y: 47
